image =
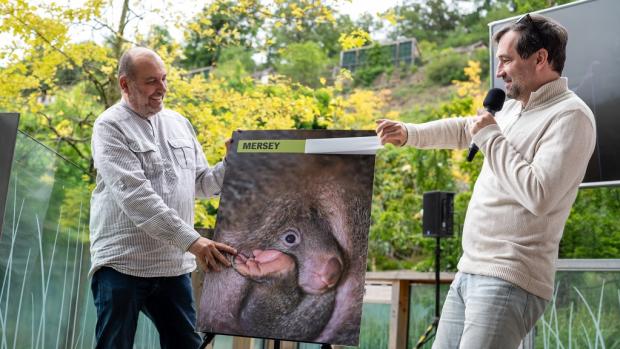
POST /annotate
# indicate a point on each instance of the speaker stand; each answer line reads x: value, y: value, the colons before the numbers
x: 431, y: 330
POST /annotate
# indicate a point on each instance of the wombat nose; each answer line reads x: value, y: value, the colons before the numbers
x: 319, y: 277
x: 331, y: 272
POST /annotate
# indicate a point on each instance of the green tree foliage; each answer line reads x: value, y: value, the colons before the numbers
x: 39, y: 64
x: 592, y: 229
x: 431, y: 20
x: 524, y: 6
x: 458, y: 23
x: 159, y: 39
x: 234, y: 65
x: 473, y: 27
x: 375, y: 61
x: 304, y: 63
x: 224, y: 23
x: 318, y: 25
x: 402, y: 176
x: 59, y: 86
x: 219, y: 25
x: 446, y: 67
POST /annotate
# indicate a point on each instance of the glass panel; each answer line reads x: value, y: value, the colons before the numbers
x: 362, y: 56
x: 374, y: 330
x: 393, y: 52
x: 404, y: 51
x: 45, y: 298
x: 348, y: 59
x: 222, y: 342
x: 585, y: 312
x: 422, y: 310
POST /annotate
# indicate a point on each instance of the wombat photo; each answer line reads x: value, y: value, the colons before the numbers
x: 300, y: 225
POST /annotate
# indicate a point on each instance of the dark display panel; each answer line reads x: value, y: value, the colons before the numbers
x: 8, y: 132
x: 593, y: 71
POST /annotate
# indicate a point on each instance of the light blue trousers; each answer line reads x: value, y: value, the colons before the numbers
x: 486, y: 312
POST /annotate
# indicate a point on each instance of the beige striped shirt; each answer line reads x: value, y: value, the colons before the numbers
x: 142, y: 210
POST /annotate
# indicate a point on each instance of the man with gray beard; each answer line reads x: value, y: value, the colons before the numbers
x: 150, y: 167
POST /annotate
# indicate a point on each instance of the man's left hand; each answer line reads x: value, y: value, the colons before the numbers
x: 210, y: 254
x: 481, y: 121
x: 228, y: 144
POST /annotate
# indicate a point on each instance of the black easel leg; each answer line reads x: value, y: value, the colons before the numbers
x: 208, y: 339
x: 437, y: 260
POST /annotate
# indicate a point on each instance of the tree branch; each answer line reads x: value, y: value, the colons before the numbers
x: 92, y: 77
x: 70, y: 140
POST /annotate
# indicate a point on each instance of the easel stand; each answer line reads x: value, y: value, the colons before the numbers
x: 431, y: 330
x: 276, y: 345
x: 208, y: 339
x: 276, y: 342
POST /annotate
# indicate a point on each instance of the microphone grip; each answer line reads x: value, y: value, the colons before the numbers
x: 473, y: 149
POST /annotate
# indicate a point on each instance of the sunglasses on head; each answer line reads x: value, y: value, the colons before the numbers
x: 527, y: 21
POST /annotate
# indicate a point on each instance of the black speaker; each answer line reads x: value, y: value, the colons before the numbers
x: 438, y: 211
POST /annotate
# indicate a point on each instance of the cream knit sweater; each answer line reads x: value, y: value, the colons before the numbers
x: 535, y: 159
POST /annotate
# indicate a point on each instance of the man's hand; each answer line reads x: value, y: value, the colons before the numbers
x: 392, y: 132
x: 209, y: 254
x: 481, y: 121
x: 228, y: 144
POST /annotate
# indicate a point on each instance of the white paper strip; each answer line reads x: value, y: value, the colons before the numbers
x: 346, y: 145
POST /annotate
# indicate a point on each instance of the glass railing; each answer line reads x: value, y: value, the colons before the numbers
x: 45, y: 298
x: 584, y: 313
x: 373, y: 334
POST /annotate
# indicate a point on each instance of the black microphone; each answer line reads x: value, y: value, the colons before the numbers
x: 493, y: 102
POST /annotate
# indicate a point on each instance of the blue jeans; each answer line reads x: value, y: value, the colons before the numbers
x: 486, y: 312
x: 167, y: 301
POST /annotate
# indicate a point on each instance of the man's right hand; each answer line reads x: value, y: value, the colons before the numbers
x: 393, y: 132
x: 209, y: 254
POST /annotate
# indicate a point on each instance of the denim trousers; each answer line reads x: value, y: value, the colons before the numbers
x: 486, y: 312
x: 167, y: 301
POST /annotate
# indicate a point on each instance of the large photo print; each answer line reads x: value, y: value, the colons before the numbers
x: 300, y: 224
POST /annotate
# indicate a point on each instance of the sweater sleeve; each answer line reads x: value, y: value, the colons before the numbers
x: 445, y: 134
x: 560, y: 160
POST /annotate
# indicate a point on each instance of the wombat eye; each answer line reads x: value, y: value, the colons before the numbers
x: 290, y: 237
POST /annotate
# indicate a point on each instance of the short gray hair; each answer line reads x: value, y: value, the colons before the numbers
x: 126, y: 64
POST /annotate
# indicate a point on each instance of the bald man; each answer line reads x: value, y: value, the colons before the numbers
x: 150, y: 167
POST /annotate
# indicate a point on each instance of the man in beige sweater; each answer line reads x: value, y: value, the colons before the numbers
x: 536, y: 152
